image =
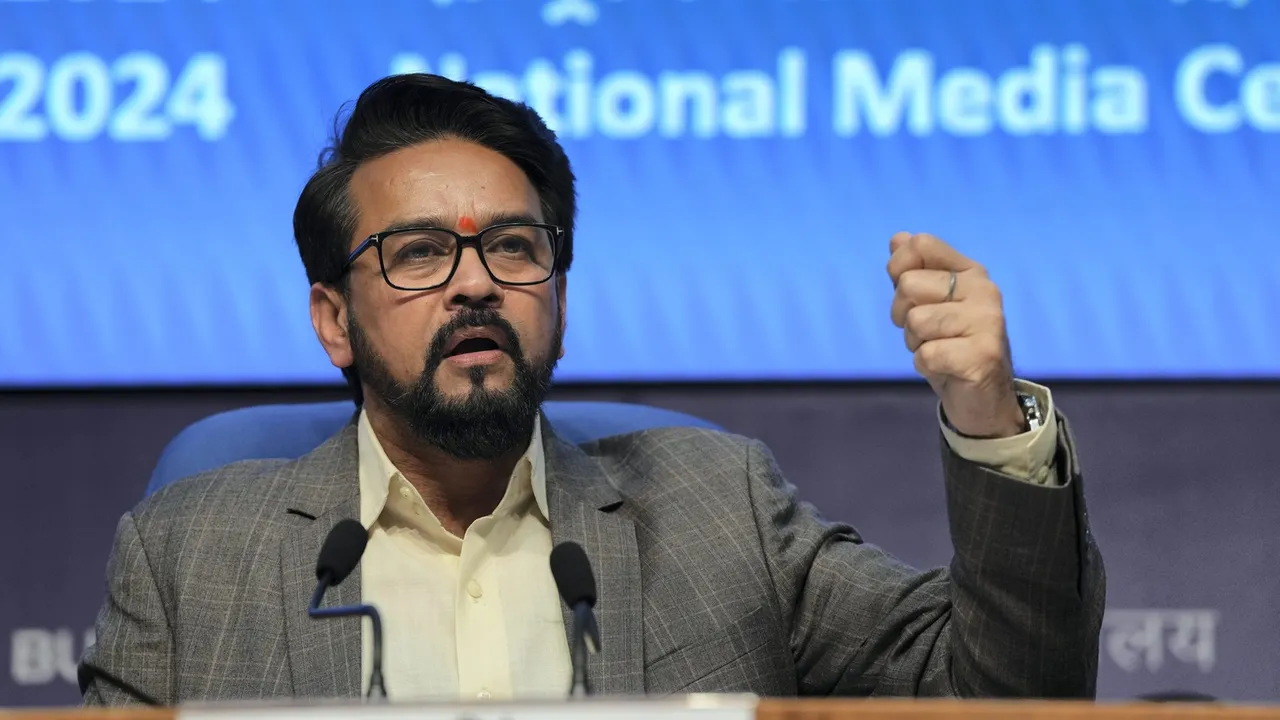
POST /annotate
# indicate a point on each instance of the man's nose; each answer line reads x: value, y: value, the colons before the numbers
x: 471, y: 284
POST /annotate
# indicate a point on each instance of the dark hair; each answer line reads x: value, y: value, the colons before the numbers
x: 406, y: 110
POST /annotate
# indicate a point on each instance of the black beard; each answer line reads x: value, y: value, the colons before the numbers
x: 484, y: 425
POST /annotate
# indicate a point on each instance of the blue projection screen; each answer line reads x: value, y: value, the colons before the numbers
x: 742, y: 164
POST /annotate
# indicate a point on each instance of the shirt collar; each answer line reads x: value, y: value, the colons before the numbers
x: 378, y: 474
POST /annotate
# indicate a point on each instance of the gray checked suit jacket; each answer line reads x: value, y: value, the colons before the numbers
x: 712, y: 577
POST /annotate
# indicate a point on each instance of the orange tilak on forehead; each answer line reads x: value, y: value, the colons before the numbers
x: 467, y: 225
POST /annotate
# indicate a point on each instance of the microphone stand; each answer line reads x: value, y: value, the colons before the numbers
x: 586, y: 640
x: 376, y: 681
x: 87, y: 673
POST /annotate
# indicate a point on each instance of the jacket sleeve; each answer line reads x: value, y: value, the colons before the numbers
x: 1018, y: 614
x: 131, y: 659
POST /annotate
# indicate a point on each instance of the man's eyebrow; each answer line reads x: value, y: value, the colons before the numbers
x: 503, y: 218
x: 435, y: 221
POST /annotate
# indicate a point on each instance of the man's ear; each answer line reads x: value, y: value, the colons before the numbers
x: 561, y: 287
x: 329, y: 319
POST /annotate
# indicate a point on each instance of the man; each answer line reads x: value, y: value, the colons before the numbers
x: 437, y: 235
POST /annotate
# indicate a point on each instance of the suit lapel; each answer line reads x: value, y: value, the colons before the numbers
x: 585, y: 508
x: 324, y: 654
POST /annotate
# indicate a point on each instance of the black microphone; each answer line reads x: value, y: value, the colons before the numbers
x: 577, y: 585
x: 338, y: 557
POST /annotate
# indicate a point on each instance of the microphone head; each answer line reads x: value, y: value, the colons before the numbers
x: 341, y: 551
x: 572, y: 572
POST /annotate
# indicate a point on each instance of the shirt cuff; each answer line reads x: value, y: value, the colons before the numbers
x: 1029, y: 456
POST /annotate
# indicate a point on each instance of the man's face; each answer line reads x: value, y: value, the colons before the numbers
x: 466, y: 365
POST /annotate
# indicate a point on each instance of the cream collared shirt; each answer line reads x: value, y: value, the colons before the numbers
x: 463, y: 618
x: 479, y: 616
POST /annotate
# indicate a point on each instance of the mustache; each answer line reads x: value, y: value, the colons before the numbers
x: 468, y: 318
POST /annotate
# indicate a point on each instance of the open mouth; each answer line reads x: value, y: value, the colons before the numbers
x: 467, y: 346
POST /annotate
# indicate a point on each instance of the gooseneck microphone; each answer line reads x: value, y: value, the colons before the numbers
x: 577, y: 585
x: 338, y: 557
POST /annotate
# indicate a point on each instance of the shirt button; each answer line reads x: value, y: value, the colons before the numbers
x: 404, y: 493
x: 483, y: 695
x: 1042, y: 474
x: 475, y: 591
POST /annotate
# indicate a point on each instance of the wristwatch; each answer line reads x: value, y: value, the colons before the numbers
x: 1031, y: 410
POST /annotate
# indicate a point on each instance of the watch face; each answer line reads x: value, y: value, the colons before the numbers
x: 1031, y: 410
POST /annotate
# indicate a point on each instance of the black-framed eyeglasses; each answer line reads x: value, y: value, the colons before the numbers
x: 425, y: 258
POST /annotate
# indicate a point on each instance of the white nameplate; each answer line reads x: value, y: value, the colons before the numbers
x: 685, y: 707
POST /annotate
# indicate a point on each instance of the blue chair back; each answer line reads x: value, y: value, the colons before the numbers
x: 266, y: 432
